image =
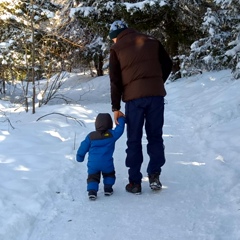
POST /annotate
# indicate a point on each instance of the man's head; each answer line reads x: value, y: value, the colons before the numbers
x: 116, y: 28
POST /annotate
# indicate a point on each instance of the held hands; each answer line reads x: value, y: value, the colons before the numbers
x: 116, y: 115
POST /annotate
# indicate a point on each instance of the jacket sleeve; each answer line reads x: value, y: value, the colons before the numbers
x: 165, y: 61
x: 119, y: 129
x: 115, y: 80
x: 83, y: 149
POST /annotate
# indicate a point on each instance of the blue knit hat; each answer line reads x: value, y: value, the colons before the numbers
x: 116, y: 28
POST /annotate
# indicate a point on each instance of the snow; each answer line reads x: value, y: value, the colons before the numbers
x: 141, y: 4
x: 109, y: 5
x: 4, y: 45
x: 85, y: 10
x: 43, y: 189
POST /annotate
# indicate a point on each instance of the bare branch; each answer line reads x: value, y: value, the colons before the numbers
x: 81, y: 123
x: 6, y: 119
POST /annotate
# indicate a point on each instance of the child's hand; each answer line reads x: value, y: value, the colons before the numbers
x: 117, y: 114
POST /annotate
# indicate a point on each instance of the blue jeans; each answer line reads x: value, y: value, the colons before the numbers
x: 148, y: 111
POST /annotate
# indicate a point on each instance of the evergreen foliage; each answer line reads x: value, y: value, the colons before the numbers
x: 220, y: 46
x: 200, y: 35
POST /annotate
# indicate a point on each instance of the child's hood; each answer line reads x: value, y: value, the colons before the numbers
x: 103, y: 122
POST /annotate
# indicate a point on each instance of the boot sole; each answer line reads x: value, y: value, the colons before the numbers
x: 92, y: 197
x: 155, y: 186
x: 108, y: 193
x: 136, y: 193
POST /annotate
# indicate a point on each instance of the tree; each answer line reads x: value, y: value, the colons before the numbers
x: 23, y: 28
x: 232, y: 10
x: 175, y: 23
x: 220, y: 47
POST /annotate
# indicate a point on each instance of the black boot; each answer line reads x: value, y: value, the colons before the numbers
x: 154, y: 181
x: 108, y: 191
x: 134, y: 188
x: 92, y: 194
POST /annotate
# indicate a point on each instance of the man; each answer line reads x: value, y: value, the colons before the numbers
x: 138, y: 68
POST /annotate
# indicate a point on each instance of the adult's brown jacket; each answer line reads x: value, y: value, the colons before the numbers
x: 139, y: 66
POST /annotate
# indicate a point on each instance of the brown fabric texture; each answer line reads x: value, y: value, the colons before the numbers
x: 138, y: 66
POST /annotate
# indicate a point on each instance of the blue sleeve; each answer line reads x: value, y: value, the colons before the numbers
x: 83, y: 149
x: 119, y: 129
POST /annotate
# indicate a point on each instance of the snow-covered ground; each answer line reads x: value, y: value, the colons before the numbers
x: 43, y: 189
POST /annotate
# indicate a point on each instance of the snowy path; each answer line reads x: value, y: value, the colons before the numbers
x: 192, y: 205
x: 43, y: 189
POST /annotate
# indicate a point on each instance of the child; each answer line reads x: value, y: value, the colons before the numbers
x: 100, y: 146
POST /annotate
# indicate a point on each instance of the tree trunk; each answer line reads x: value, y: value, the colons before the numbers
x: 98, y: 63
x: 33, y: 61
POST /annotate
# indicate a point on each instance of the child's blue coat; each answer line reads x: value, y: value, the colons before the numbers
x: 100, y: 151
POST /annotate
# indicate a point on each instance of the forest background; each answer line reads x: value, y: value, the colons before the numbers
x: 41, y: 38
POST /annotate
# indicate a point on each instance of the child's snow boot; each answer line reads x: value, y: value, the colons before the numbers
x: 108, y: 191
x: 92, y: 194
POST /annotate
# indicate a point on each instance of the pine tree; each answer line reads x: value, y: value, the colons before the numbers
x: 232, y: 16
x: 220, y: 47
x: 166, y: 22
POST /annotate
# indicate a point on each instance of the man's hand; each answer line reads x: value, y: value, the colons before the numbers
x: 116, y: 115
